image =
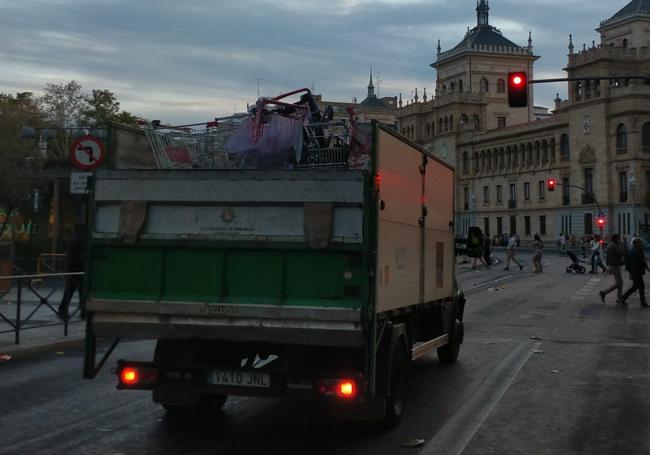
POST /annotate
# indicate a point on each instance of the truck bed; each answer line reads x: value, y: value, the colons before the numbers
x: 187, y: 253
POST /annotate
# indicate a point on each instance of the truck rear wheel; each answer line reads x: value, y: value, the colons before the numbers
x: 398, y: 378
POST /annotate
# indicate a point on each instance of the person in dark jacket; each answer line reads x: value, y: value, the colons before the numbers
x: 637, y: 266
x: 75, y: 253
x: 615, y: 260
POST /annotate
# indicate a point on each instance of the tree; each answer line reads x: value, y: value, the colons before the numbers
x: 63, y: 104
x: 103, y: 108
x: 17, y: 157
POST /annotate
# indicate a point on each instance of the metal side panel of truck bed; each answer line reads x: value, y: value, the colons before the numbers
x: 268, y: 256
x: 415, y: 240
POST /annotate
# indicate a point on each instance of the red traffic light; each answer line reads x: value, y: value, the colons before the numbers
x: 601, y: 222
x: 551, y: 185
x: 518, y: 89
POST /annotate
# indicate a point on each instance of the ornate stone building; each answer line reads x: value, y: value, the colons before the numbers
x: 371, y: 108
x: 598, y: 139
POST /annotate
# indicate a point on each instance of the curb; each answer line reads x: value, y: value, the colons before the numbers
x: 19, y: 351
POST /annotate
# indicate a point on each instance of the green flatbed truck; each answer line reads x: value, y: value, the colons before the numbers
x: 314, y: 284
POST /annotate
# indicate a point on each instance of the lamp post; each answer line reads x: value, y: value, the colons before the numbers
x: 632, y: 181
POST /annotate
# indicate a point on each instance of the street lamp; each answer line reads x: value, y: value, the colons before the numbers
x: 632, y: 181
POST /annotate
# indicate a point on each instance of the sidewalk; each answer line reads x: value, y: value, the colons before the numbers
x: 44, y: 330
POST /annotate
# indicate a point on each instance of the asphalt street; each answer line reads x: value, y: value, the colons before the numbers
x: 545, y: 368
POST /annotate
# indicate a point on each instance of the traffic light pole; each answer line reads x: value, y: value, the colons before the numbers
x: 587, y: 78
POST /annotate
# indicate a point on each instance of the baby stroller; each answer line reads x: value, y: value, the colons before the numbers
x: 575, y: 266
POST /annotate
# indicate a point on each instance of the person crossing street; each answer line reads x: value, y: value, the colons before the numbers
x: 615, y: 260
x: 637, y: 265
x: 510, y: 253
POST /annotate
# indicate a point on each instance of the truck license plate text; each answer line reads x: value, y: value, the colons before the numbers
x: 239, y: 378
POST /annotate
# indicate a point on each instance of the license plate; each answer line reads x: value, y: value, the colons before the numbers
x: 239, y: 378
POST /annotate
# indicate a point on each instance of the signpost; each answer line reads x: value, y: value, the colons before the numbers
x: 87, y: 153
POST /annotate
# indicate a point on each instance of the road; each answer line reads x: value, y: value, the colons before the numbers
x: 545, y: 368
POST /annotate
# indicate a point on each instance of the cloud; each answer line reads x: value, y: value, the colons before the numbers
x: 191, y: 61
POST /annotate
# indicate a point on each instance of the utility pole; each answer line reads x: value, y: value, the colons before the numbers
x: 258, y: 87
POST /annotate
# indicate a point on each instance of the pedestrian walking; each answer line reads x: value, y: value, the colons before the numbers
x: 636, y: 265
x: 510, y: 253
x: 487, y: 250
x: 561, y: 242
x: 75, y: 253
x: 615, y: 261
x: 538, y: 247
x: 596, y: 256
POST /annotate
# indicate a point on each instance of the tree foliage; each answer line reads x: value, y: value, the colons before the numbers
x: 16, y: 155
x: 103, y: 108
x: 63, y: 104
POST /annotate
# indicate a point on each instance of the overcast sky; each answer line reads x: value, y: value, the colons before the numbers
x: 192, y: 60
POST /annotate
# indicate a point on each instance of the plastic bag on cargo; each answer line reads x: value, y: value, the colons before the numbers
x: 275, y: 143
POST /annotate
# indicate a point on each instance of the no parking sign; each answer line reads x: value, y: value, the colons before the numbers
x: 87, y: 153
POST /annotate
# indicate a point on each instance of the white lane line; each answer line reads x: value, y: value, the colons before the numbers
x: 487, y: 283
x: 454, y: 436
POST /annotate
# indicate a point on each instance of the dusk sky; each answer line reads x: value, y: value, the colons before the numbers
x: 193, y: 60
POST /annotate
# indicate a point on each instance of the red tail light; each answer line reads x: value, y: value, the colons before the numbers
x: 346, y: 389
x: 136, y: 375
x: 342, y: 388
x: 129, y: 376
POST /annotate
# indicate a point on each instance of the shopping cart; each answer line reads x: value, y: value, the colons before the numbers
x: 305, y: 139
x: 199, y: 145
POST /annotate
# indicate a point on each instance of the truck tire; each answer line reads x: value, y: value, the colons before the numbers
x: 397, y: 389
x: 449, y: 352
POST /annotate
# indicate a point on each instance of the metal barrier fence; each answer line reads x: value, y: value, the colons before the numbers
x: 26, y: 283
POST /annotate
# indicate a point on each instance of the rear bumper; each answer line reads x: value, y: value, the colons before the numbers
x: 233, y: 322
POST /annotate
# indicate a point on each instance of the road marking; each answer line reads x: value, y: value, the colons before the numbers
x: 454, y: 436
x: 487, y: 283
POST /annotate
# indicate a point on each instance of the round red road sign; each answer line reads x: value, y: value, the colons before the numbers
x: 87, y: 153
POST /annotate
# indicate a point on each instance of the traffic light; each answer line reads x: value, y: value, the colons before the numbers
x: 551, y: 185
x: 518, y: 89
x: 600, y: 221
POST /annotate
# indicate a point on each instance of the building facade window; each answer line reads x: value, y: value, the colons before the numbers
x: 486, y: 194
x: 499, y: 193
x: 513, y: 192
x: 645, y: 138
x: 486, y: 226
x: 622, y: 186
x: 466, y: 197
x: 566, y: 194
x: 541, y: 189
x: 477, y: 122
x: 542, y: 225
x: 499, y: 226
x: 485, y: 87
x: 501, y: 86
x: 621, y: 138
x: 465, y: 162
x: 527, y: 225
x: 589, y: 180
x: 527, y: 191
x: 564, y: 147
x: 501, y: 122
